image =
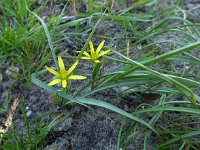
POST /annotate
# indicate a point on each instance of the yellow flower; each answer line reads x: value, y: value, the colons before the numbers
x: 64, y: 75
x: 95, y: 55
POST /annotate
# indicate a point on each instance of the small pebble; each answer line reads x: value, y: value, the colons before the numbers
x: 28, y: 113
x: 12, y: 71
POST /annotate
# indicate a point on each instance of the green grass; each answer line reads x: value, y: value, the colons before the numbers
x: 22, y: 39
x: 156, y: 51
x: 16, y: 38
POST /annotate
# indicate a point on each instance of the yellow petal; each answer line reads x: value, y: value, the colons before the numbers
x: 61, y: 65
x: 53, y: 71
x: 76, y: 77
x: 86, y: 54
x: 103, y: 53
x: 56, y: 81
x: 72, y: 68
x: 91, y: 48
x: 100, y: 47
x: 64, y: 83
x: 96, y: 61
x: 88, y: 58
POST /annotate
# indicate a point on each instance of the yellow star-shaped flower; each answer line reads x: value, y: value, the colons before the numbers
x: 64, y: 75
x: 95, y: 55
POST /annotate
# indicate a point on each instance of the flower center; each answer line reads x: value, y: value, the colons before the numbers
x: 94, y: 56
x: 63, y: 76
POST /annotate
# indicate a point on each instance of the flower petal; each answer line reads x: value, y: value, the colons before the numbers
x: 88, y: 58
x: 97, y: 61
x: 76, y: 77
x: 100, y: 47
x: 52, y: 71
x: 61, y: 65
x: 64, y: 83
x: 103, y: 53
x: 86, y: 54
x: 91, y: 48
x: 56, y: 81
x: 72, y: 68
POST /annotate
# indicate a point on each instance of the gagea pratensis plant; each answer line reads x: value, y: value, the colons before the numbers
x: 63, y: 75
x: 95, y: 58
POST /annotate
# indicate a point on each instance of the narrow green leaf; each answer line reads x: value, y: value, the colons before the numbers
x: 166, y: 108
x: 180, y: 137
x: 48, y: 36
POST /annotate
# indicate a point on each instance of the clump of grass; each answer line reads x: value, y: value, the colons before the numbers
x: 16, y: 37
x: 22, y: 40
